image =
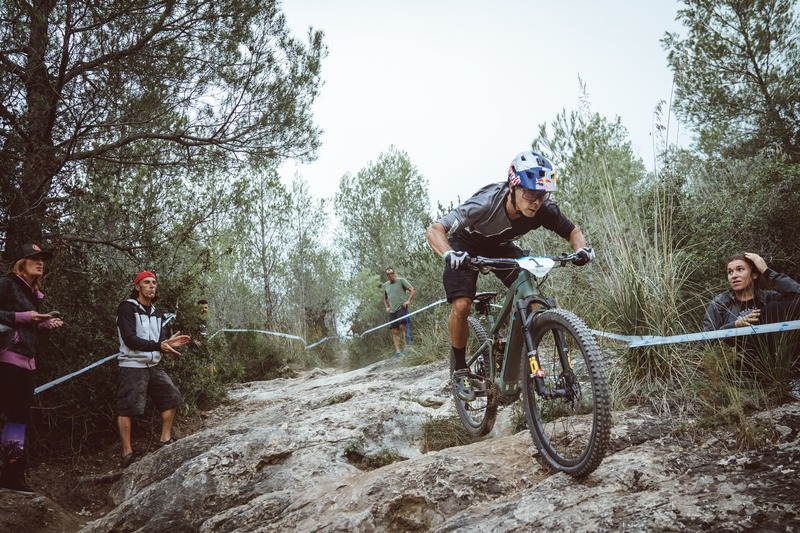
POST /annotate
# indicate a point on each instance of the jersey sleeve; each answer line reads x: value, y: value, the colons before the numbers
x: 781, y: 282
x: 473, y: 210
x: 556, y: 221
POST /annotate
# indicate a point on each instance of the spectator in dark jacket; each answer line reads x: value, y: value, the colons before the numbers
x: 20, y: 310
x: 749, y: 303
x: 141, y: 342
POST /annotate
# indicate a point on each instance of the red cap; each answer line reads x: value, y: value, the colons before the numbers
x: 141, y: 275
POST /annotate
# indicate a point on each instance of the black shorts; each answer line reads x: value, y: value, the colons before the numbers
x: 395, y: 315
x: 135, y: 384
x: 462, y: 283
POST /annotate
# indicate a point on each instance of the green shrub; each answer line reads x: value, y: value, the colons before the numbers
x: 441, y: 433
x: 356, y: 456
x: 261, y: 356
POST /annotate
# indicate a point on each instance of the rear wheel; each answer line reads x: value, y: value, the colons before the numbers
x: 571, y: 430
x: 478, y: 416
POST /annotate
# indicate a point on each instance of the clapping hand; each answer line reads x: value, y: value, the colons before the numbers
x: 49, y: 320
x: 177, y: 340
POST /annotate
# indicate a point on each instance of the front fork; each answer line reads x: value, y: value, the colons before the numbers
x: 537, y: 373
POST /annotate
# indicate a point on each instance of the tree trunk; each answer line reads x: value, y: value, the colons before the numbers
x: 39, y: 162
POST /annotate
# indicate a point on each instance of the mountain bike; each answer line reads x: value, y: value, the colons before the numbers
x: 545, y: 354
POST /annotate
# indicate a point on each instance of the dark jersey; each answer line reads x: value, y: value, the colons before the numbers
x: 482, y: 223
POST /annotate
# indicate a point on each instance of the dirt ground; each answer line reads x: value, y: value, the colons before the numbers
x: 70, y: 494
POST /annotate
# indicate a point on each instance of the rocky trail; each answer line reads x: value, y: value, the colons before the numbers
x: 282, y: 455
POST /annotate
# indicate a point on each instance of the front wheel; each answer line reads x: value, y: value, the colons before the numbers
x: 571, y: 425
x: 478, y: 416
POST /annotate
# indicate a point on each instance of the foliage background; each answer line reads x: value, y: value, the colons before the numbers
x: 169, y: 165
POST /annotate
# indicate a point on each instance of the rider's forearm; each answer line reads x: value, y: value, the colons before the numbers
x: 576, y: 239
x: 437, y: 239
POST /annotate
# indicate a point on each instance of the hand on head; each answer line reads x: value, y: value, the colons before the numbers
x: 760, y: 264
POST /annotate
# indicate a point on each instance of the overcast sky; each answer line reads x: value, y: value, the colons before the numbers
x: 462, y: 85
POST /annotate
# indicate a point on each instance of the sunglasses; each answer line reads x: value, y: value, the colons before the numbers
x: 534, y: 196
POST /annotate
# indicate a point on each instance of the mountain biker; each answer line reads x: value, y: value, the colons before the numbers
x: 486, y: 225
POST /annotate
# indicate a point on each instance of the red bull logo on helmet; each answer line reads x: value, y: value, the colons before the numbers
x: 546, y: 183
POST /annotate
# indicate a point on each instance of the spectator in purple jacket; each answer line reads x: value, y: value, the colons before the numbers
x: 21, y: 319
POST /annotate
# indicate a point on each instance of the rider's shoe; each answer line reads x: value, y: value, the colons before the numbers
x: 463, y: 386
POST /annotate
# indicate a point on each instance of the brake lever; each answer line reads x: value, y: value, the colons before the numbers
x: 476, y: 265
x: 568, y: 258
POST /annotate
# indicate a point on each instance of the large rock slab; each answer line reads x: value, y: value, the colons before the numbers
x: 276, y: 459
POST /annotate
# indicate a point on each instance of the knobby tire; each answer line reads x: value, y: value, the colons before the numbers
x: 571, y: 434
x: 478, y: 416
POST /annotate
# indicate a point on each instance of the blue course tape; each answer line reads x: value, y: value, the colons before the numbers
x: 443, y: 300
x: 62, y: 379
x: 309, y: 346
x: 275, y: 333
x: 636, y: 341
x: 326, y: 339
x: 633, y: 341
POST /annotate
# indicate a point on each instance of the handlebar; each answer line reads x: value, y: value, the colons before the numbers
x: 489, y: 263
x: 563, y: 259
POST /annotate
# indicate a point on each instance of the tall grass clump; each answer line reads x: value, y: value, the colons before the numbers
x: 641, y: 286
x: 734, y: 388
x: 430, y: 340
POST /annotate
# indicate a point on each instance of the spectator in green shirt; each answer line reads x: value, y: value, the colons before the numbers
x: 396, y: 302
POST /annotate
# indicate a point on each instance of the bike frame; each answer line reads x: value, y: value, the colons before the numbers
x: 523, y: 301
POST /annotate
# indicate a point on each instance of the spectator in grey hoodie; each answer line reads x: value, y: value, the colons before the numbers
x: 141, y: 343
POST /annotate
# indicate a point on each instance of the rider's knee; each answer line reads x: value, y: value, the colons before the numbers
x: 461, y: 307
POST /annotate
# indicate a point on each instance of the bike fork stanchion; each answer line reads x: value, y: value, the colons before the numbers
x: 534, y: 366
